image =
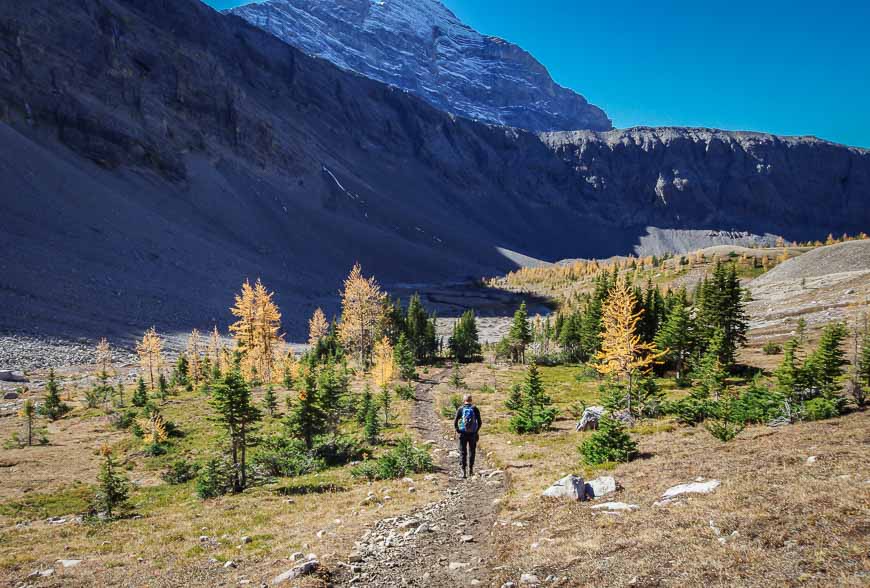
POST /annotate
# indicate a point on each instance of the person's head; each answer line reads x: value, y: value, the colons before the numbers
x: 468, y: 399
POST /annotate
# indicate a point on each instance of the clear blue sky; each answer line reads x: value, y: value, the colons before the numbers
x: 793, y: 67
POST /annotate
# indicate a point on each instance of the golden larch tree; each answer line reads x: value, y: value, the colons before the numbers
x: 362, y: 307
x: 267, y: 330
x: 623, y: 354
x: 215, y: 350
x: 318, y: 327
x: 257, y: 329
x: 104, y: 358
x: 194, y: 361
x: 150, y: 351
x: 384, y: 364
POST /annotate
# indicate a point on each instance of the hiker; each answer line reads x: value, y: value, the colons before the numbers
x: 467, y: 423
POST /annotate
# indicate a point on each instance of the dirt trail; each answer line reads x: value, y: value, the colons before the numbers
x: 447, y: 543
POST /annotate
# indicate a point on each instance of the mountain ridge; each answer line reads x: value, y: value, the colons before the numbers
x: 422, y: 47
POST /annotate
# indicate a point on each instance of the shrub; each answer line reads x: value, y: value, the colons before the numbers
x: 771, y: 348
x: 214, y: 479
x: 337, y: 450
x: 757, y: 405
x: 724, y: 423
x: 281, y: 456
x: 691, y: 410
x: 406, y: 392
x: 124, y: 420
x: 610, y: 443
x: 819, y: 409
x: 404, y: 459
x: 179, y: 472
x: 453, y: 403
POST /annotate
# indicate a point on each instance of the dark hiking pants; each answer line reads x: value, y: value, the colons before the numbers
x: 467, y: 449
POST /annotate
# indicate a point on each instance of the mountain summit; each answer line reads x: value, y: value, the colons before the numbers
x: 422, y: 47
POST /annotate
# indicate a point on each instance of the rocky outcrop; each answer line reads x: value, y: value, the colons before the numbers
x: 680, y: 178
x: 422, y: 47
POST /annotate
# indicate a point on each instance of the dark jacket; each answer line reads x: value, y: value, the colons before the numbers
x: 458, y: 416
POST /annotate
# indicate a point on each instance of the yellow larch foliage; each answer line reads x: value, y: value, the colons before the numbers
x: 267, y: 330
x: 150, y: 352
x: 153, y: 429
x: 216, y: 350
x: 104, y: 358
x: 318, y: 327
x: 257, y: 329
x: 194, y: 361
x: 623, y: 354
x: 362, y: 307
x: 384, y: 363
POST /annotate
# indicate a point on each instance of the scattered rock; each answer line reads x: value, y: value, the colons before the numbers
x: 568, y: 487
x: 509, y: 585
x: 69, y: 563
x: 230, y: 564
x: 589, y: 420
x: 296, y: 556
x: 529, y: 579
x: 455, y: 565
x: 203, y: 538
x: 11, y: 396
x: 600, y: 487
x: 12, y: 376
x: 297, y: 572
x: 812, y: 459
x: 691, y: 488
x: 615, y: 506
x: 466, y: 538
x: 246, y: 540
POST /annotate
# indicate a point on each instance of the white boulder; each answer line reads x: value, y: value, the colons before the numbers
x: 691, y: 488
x: 568, y: 487
x: 600, y: 487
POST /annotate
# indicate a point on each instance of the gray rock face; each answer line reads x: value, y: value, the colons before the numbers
x: 681, y: 178
x: 422, y: 47
x: 12, y: 376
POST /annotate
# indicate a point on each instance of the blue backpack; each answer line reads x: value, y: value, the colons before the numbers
x: 468, y: 421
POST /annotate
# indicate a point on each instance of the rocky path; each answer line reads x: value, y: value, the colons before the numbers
x: 446, y: 543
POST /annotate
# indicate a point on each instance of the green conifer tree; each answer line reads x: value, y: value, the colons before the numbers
x: 52, y: 406
x: 825, y: 366
x: 405, y: 359
x: 536, y: 412
x: 307, y: 419
x: 520, y: 334
x: 140, y: 396
x: 114, y: 489
x: 270, y: 401
x: 676, y: 338
x: 233, y: 403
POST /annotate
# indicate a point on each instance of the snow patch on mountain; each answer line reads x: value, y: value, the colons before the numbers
x: 420, y: 46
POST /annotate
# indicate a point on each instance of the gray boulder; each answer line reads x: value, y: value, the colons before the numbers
x: 11, y: 396
x: 589, y: 420
x: 12, y: 376
x: 600, y: 487
x: 570, y: 486
x: 297, y: 572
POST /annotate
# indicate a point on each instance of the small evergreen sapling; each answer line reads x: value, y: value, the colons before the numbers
x: 611, y: 443
x: 114, y: 489
x: 270, y: 402
x: 52, y: 406
x: 140, y: 396
x: 536, y: 412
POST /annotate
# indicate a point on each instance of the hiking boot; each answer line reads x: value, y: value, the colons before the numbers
x: 463, y: 474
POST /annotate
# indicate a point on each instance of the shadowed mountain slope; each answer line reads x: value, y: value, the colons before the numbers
x: 155, y: 153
